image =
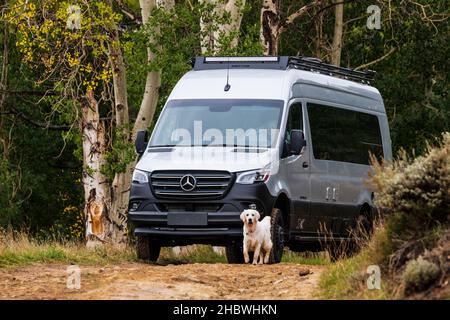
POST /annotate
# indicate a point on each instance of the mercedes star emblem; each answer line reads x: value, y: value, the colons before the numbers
x: 187, y: 182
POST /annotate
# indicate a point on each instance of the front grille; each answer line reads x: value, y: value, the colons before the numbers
x: 208, y: 184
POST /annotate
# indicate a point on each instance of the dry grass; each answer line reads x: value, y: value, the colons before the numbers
x: 206, y: 254
x: 346, y: 279
x: 191, y: 254
x: 19, y: 248
x: 307, y: 258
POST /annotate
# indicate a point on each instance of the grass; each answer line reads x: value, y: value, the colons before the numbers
x: 206, y: 254
x: 347, y: 278
x: 191, y: 254
x: 309, y: 258
x: 18, y: 248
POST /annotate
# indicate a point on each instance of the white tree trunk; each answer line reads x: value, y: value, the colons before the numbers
x: 120, y: 187
x: 210, y: 41
x: 153, y: 81
x: 272, y: 26
x: 336, y: 47
x: 270, y: 20
x: 96, y: 188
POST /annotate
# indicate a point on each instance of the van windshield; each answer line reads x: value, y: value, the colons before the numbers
x: 223, y: 122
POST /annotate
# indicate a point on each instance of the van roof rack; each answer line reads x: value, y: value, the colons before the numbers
x: 316, y: 65
x: 283, y: 63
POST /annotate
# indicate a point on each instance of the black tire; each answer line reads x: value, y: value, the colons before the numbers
x: 147, y: 249
x: 363, y: 233
x: 345, y: 249
x: 277, y: 233
x: 234, y: 253
x: 365, y: 224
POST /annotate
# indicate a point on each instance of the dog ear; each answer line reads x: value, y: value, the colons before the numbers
x: 257, y: 215
x: 242, y: 215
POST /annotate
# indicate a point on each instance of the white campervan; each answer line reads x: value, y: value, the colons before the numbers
x: 288, y: 136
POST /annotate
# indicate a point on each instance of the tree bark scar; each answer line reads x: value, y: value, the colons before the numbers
x: 89, y: 125
x: 96, y: 214
x: 96, y: 210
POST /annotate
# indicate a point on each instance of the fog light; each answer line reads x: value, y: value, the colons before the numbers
x: 134, y: 206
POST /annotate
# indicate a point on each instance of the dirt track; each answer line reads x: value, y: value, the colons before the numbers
x: 143, y: 281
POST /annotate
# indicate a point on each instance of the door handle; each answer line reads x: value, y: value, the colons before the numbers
x: 327, y: 195
x: 305, y: 164
x: 334, y: 194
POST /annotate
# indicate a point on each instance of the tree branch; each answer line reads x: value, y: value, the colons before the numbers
x: 363, y: 66
x: 44, y: 125
x: 305, y: 9
x: 297, y: 14
x: 128, y: 12
x: 29, y: 93
x: 36, y: 123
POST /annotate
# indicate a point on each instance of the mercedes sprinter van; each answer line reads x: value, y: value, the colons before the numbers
x: 289, y: 136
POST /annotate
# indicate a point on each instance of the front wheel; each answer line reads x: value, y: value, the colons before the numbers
x: 234, y: 253
x: 277, y: 233
x: 147, y: 249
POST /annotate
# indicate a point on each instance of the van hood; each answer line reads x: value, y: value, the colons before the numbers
x: 232, y: 159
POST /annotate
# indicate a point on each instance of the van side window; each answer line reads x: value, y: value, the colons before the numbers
x: 344, y: 135
x: 294, y: 121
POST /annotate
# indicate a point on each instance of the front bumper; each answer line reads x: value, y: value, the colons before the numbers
x: 195, y: 223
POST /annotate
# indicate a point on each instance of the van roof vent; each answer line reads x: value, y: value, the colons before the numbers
x: 283, y: 63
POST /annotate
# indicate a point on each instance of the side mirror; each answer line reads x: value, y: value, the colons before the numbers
x: 297, y: 141
x: 141, y: 141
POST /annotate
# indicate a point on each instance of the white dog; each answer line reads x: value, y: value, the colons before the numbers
x: 256, y: 236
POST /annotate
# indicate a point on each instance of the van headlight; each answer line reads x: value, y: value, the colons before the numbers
x: 140, y: 176
x: 249, y: 177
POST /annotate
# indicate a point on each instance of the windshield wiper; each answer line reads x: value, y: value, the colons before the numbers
x: 234, y: 146
x: 162, y: 146
x: 208, y: 145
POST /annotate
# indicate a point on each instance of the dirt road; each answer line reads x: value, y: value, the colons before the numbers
x: 144, y: 281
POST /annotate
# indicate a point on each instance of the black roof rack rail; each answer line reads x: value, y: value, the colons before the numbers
x: 316, y: 65
x: 283, y: 63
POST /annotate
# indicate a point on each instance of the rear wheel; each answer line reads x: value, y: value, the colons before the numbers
x: 360, y: 235
x: 363, y: 230
x: 147, y: 249
x: 277, y: 233
x: 234, y: 253
x: 364, y: 224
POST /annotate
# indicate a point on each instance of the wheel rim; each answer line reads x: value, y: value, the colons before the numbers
x: 279, y: 242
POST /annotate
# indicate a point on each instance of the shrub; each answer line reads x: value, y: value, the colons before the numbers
x: 419, y: 274
x: 416, y: 191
